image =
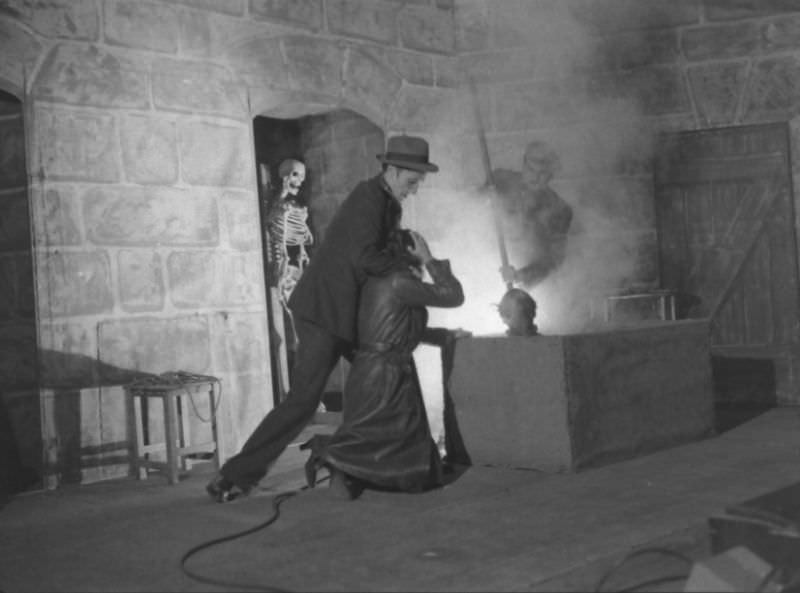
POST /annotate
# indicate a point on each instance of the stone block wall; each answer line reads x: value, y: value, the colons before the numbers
x: 146, y: 242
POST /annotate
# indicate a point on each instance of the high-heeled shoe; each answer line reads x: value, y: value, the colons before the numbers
x: 344, y: 486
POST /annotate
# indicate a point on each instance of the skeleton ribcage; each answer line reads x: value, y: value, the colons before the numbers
x: 287, y: 227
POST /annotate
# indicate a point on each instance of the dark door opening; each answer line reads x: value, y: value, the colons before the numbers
x: 21, y: 445
x: 338, y: 149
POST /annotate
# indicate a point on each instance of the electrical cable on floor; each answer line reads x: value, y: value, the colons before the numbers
x: 642, y: 552
x: 277, y: 500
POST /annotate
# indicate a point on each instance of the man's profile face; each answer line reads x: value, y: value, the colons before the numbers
x: 403, y: 182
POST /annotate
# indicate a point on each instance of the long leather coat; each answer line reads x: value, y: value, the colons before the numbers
x: 352, y: 249
x: 384, y: 437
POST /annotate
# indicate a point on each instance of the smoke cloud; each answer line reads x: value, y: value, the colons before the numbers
x: 604, y: 144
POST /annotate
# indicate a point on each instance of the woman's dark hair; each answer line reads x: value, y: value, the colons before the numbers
x: 400, y: 242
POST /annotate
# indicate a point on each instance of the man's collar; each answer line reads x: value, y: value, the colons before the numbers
x: 385, y: 186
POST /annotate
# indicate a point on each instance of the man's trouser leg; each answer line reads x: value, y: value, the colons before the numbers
x: 317, y: 355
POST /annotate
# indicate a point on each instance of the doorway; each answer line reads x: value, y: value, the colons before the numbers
x: 20, y: 414
x: 338, y: 149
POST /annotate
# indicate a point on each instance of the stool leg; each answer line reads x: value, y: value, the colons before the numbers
x: 134, y: 435
x: 170, y: 420
x: 212, y: 413
x: 183, y: 431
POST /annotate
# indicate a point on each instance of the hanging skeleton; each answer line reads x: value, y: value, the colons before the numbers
x: 288, y: 232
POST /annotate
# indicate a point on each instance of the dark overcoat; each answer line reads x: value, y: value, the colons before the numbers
x: 353, y: 248
x: 384, y: 438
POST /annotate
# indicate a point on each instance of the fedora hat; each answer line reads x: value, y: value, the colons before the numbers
x: 408, y: 152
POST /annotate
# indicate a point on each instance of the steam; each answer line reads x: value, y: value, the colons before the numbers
x: 604, y: 144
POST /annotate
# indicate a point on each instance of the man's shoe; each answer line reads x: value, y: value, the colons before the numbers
x: 221, y: 489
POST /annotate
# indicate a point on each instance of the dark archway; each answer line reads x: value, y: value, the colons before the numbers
x: 20, y: 413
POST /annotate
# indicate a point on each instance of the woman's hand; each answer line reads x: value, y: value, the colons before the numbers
x: 420, y: 249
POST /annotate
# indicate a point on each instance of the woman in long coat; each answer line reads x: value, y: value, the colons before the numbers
x: 384, y: 439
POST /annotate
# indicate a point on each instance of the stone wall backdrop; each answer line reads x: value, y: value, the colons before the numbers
x: 143, y: 196
x: 147, y: 248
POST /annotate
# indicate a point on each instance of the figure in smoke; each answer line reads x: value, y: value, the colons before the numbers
x: 536, y: 219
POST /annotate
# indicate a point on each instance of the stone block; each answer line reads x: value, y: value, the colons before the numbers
x: 240, y: 220
x: 564, y: 403
x: 781, y: 34
x: 65, y: 19
x: 717, y: 89
x: 427, y: 28
x: 428, y: 110
x: 202, y: 279
x: 721, y: 41
x: 447, y: 72
x: 606, y: 16
x: 75, y: 283
x: 155, y: 345
x: 657, y: 90
x: 143, y: 217
x: 369, y: 83
x: 509, y: 66
x: 141, y: 280
x: 141, y: 25
x: 744, y: 9
x: 149, y: 149
x: 471, y: 26
x: 57, y: 216
x: 366, y: 19
x: 415, y: 68
x: 77, y: 145
x: 216, y: 155
x: 19, y: 51
x: 240, y: 342
x: 194, y: 87
x: 639, y: 49
x: 229, y: 7
x: 15, y: 222
x: 90, y: 75
x: 314, y: 64
x: 303, y: 13
x: 260, y: 60
x: 773, y: 90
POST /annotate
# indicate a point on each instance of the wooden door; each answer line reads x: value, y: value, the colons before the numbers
x: 726, y: 235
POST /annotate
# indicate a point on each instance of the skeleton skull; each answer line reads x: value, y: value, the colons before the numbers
x: 293, y: 174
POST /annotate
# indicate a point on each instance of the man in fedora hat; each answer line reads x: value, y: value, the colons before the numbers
x: 324, y: 305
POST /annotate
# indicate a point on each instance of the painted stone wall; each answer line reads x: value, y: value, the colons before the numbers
x: 146, y: 244
x: 140, y: 153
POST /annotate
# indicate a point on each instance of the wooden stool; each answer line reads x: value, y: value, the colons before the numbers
x: 173, y: 389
